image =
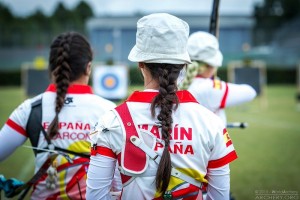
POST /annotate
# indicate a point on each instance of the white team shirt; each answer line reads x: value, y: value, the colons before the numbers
x: 216, y: 95
x: 199, y: 147
x: 80, y: 112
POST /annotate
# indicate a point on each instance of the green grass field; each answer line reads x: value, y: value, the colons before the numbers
x: 268, y: 149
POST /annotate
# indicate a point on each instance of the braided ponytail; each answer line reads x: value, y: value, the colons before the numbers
x: 191, y: 73
x: 167, y: 75
x: 70, y: 52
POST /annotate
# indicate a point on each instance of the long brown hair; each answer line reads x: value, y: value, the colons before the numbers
x: 166, y: 75
x: 69, y: 55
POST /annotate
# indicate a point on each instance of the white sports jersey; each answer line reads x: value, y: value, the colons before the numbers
x: 199, y: 144
x: 216, y: 94
x: 81, y: 111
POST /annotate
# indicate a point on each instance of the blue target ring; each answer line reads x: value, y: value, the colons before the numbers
x: 110, y: 81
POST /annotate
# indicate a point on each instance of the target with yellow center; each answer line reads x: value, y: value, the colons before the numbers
x: 110, y: 81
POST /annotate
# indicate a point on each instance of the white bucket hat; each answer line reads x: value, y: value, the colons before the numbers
x: 161, y: 38
x: 203, y: 46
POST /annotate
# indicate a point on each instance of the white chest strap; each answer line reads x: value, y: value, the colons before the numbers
x: 154, y: 156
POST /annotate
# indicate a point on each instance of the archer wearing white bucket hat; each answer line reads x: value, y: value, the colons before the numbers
x: 161, y: 38
x: 211, y: 92
x: 204, y: 47
x: 167, y: 144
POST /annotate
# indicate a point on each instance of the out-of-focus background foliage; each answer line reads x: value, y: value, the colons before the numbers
x: 270, y: 33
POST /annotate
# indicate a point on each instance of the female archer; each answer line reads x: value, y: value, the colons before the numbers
x: 167, y: 144
x: 69, y: 109
x: 212, y: 93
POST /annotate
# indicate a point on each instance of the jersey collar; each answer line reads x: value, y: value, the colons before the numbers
x: 73, y: 89
x: 147, y: 96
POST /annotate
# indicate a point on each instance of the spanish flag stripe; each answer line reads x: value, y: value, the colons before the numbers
x: 104, y: 151
x: 227, y: 139
x: 228, y: 143
x: 16, y: 127
x: 222, y: 161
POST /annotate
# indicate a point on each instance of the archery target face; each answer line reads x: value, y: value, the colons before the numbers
x: 110, y: 82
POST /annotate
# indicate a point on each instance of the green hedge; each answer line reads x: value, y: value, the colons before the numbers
x: 135, y: 76
x: 274, y: 76
x: 278, y: 76
x: 10, y: 78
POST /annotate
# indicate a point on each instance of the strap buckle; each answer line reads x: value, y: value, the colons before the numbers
x: 167, y: 195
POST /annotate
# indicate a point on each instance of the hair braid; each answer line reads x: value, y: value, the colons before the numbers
x: 61, y: 78
x: 166, y: 75
x: 191, y: 72
x: 69, y: 55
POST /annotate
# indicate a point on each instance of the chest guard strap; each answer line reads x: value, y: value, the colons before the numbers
x: 136, y: 149
x: 154, y: 156
x: 34, y: 128
x: 133, y: 159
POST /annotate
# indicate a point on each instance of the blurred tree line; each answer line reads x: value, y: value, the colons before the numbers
x: 38, y: 30
x: 272, y: 15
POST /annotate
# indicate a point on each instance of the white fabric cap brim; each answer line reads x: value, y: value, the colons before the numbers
x: 215, y: 61
x: 137, y: 55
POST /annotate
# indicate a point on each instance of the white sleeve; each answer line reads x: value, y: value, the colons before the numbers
x: 99, y: 177
x: 218, y: 183
x: 239, y: 93
x: 103, y: 175
x: 10, y: 140
x: 116, y: 183
x: 13, y: 133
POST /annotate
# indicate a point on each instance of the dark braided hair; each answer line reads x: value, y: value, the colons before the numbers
x: 69, y: 55
x: 166, y: 75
